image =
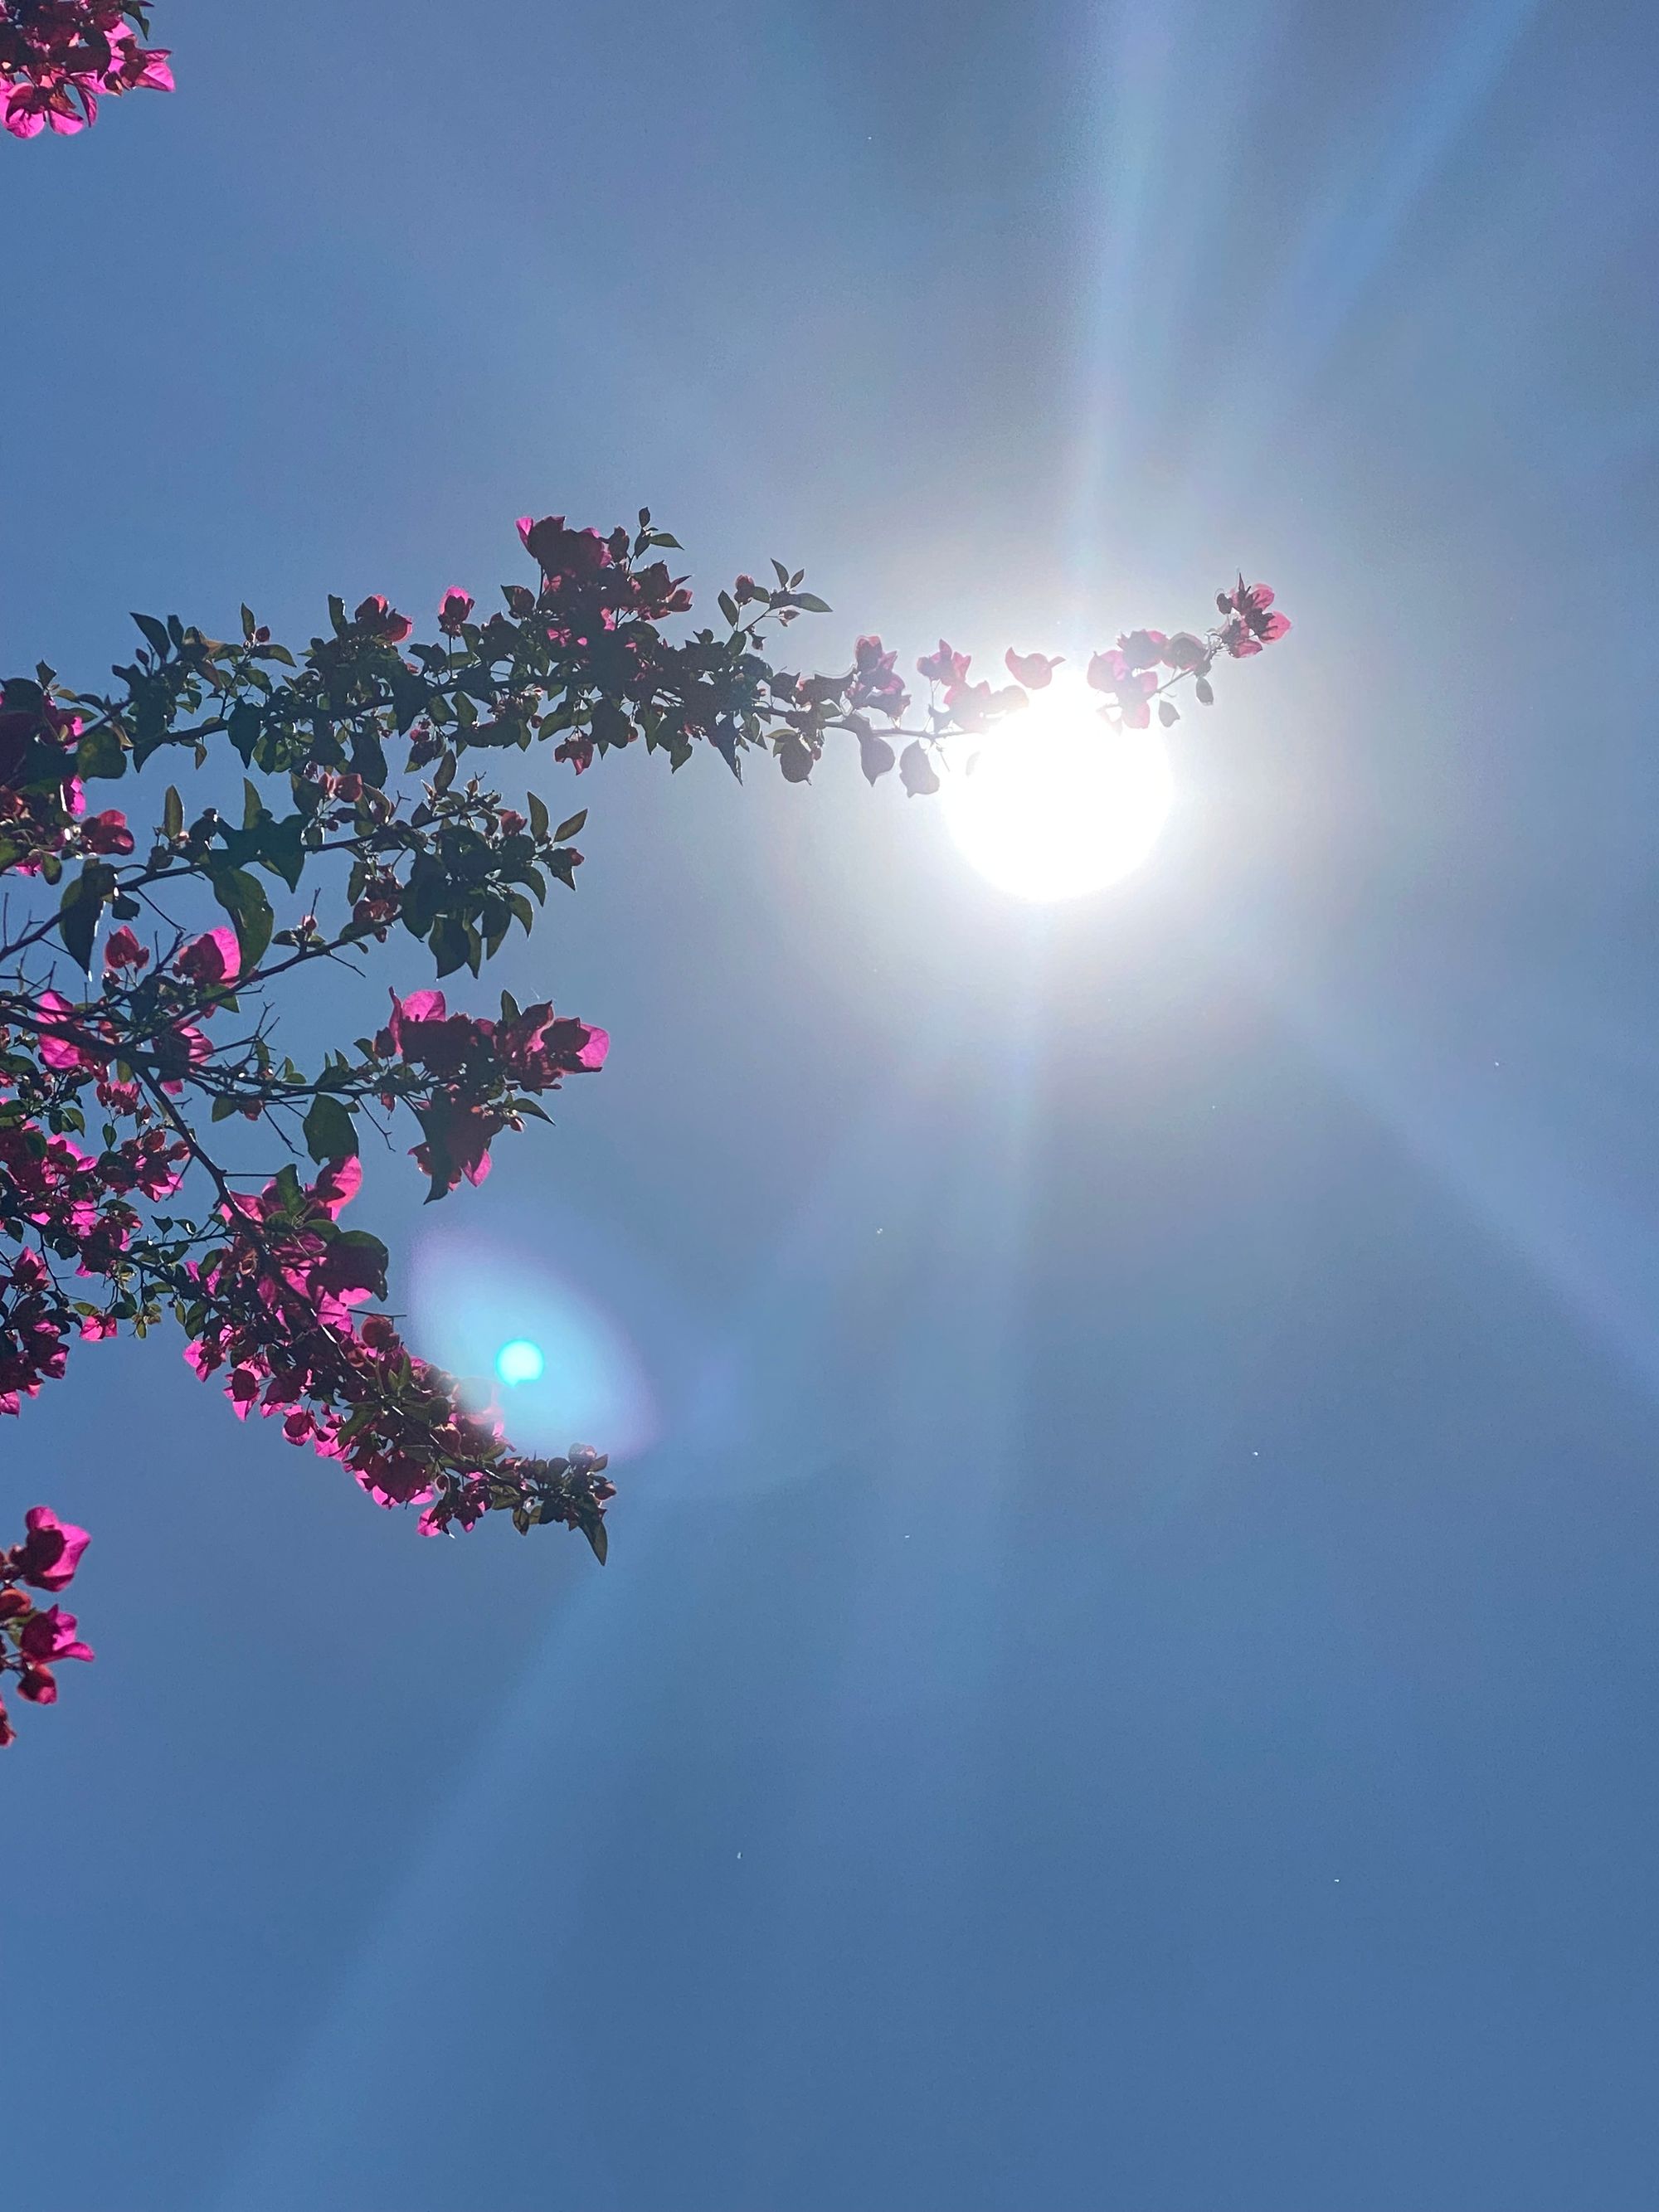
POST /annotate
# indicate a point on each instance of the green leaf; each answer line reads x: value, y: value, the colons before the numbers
x: 80, y: 907
x: 243, y: 725
x: 409, y: 695
x: 367, y: 758
x: 280, y: 850
x: 595, y: 1533
x: 330, y: 1133
x: 285, y: 1185
x: 155, y: 634
x: 729, y: 608
x: 172, y: 814
x: 448, y: 943
x: 538, y: 817
x: 371, y: 1258
x: 101, y: 755
x: 244, y: 902
x: 569, y: 829
x: 810, y: 604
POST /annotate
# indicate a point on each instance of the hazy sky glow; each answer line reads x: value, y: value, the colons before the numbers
x: 1125, y: 1679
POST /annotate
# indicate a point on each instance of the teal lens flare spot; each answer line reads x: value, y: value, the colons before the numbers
x: 519, y: 1362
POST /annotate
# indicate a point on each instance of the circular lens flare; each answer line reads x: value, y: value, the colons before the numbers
x: 1055, y: 802
x: 521, y: 1361
x: 496, y: 1312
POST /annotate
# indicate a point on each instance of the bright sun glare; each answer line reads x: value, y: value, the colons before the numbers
x: 1058, y: 804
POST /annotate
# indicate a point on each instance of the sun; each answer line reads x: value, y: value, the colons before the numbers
x: 1057, y: 803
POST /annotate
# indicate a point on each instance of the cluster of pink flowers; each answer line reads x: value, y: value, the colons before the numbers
x: 59, y: 57
x: 48, y: 821
x: 275, y: 1298
x: 81, y: 1043
x: 467, y: 1058
x: 33, y: 1638
x: 595, y: 598
x: 279, y: 1299
x: 1129, y: 673
x: 78, y: 1204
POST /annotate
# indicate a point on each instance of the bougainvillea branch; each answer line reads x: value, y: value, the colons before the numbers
x: 58, y: 58
x: 355, y: 806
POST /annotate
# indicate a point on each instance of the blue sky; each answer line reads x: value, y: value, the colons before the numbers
x: 1127, y: 1674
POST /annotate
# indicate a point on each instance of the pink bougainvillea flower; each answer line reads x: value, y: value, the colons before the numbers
x: 457, y: 1133
x: 971, y: 705
x: 1130, y: 689
x: 124, y: 950
x: 50, y: 1554
x: 877, y: 685
x: 108, y: 833
x: 1249, y: 625
x: 1035, y: 671
x: 1184, y: 652
x: 38, y: 1684
x: 51, y: 1635
x: 66, y: 1045
x: 22, y: 114
x: 455, y: 608
x: 1142, y: 648
x: 133, y: 66
x: 338, y: 1185
x: 539, y: 1047
x: 411, y: 1015
x: 214, y: 959
x: 576, y: 555
x: 380, y: 619
x: 947, y: 666
x: 176, y: 1051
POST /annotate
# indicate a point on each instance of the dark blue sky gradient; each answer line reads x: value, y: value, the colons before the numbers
x: 1133, y: 1688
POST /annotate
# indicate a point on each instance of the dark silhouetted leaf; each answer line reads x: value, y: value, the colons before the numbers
x: 330, y: 1133
x: 244, y: 902
x: 917, y: 771
x: 80, y: 907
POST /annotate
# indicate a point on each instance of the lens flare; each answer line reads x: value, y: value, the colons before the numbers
x: 521, y: 1361
x: 502, y: 1315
